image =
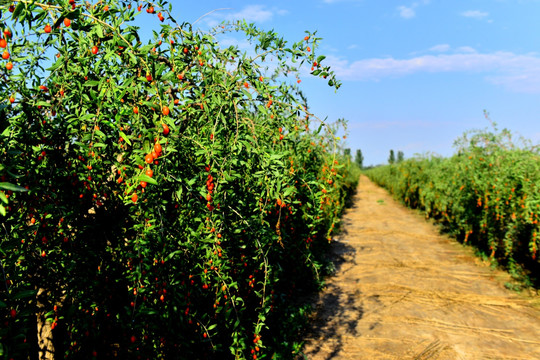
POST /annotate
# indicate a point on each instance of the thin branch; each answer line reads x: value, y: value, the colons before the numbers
x: 208, y: 13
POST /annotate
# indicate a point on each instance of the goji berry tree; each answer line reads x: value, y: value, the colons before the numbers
x: 160, y: 200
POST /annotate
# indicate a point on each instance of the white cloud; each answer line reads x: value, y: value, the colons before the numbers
x: 519, y: 73
x: 465, y: 49
x: 475, y: 14
x: 250, y: 13
x: 440, y: 48
x: 242, y: 44
x: 406, y: 12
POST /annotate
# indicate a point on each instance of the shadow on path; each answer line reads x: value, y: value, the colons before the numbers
x: 334, y: 308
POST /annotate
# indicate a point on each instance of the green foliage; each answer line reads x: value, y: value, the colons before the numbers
x: 359, y: 159
x: 400, y: 156
x: 486, y: 195
x: 166, y: 200
x: 391, y: 157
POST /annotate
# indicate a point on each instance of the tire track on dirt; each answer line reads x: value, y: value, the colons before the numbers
x: 402, y: 291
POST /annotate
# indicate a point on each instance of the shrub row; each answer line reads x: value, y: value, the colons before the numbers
x: 487, y: 194
x: 163, y: 200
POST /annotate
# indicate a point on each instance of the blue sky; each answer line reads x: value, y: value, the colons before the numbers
x: 416, y: 74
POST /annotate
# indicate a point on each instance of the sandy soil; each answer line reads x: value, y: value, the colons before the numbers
x: 403, y: 291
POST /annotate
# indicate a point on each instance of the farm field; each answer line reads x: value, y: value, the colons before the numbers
x: 485, y: 195
x: 403, y: 291
x: 170, y: 190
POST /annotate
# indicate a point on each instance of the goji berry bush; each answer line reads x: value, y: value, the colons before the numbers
x: 170, y: 200
x: 486, y: 195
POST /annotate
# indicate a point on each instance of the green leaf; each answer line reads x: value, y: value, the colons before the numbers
x: 56, y: 65
x: 25, y: 294
x: 3, y: 197
x: 127, y: 86
x: 43, y: 103
x: 18, y: 9
x: 288, y: 191
x: 15, y: 176
x: 99, y: 31
x: 146, y: 49
x: 146, y: 178
x: 247, y: 93
x: 125, y: 137
x: 171, y: 255
x: 12, y: 187
x: 149, y: 311
x: 91, y: 83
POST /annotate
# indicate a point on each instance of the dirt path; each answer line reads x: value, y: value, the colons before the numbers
x: 402, y: 291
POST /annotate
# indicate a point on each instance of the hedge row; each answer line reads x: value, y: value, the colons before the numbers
x: 164, y: 200
x: 487, y: 194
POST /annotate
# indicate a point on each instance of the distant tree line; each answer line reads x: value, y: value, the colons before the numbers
x: 359, y: 158
x: 392, y: 158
